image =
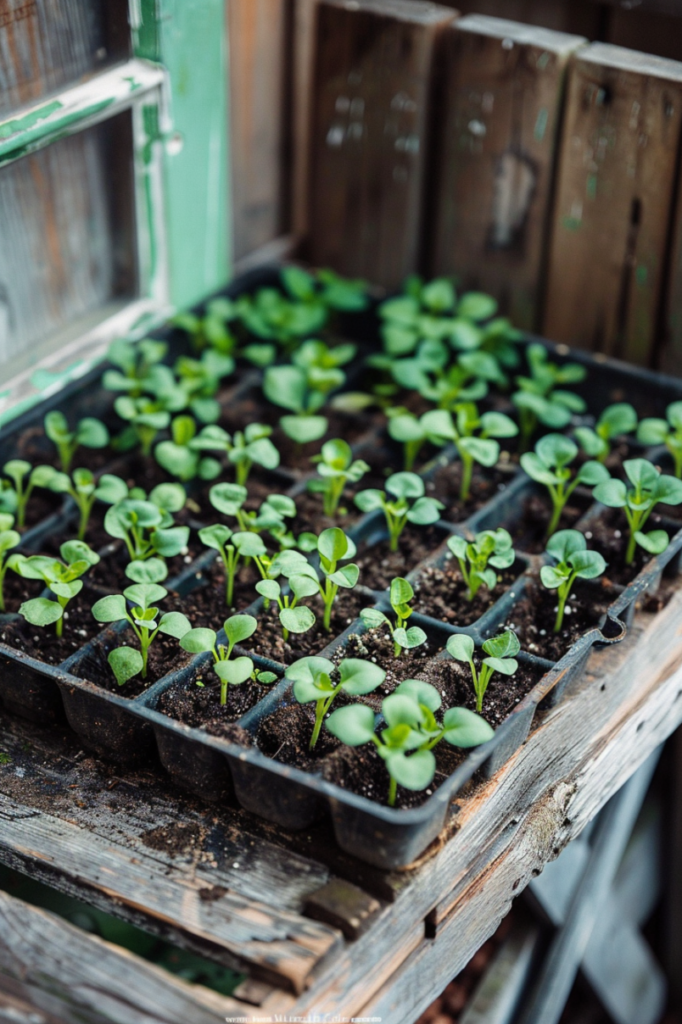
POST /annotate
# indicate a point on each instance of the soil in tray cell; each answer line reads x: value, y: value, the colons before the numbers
x: 33, y: 446
x: 199, y: 705
x: 285, y: 736
x: 452, y: 679
x: 486, y: 484
x: 43, y: 642
x: 376, y: 646
x: 362, y: 771
x: 529, y: 527
x: 109, y: 575
x: 310, y: 516
x: 268, y: 641
x: 379, y: 565
x: 206, y: 604
x: 608, y: 534
x: 533, y: 616
x: 16, y: 590
x: 441, y: 593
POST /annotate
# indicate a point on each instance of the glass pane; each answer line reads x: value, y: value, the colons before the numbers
x: 66, y: 237
x: 46, y: 44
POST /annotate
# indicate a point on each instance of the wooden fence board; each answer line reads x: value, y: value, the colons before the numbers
x: 610, y: 232
x: 371, y: 91
x: 500, y: 116
x: 259, y: 39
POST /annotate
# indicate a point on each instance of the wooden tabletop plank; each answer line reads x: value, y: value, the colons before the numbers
x: 501, y: 101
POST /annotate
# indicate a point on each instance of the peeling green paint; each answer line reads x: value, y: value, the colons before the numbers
x: 541, y: 124
x: 22, y: 124
x: 25, y: 135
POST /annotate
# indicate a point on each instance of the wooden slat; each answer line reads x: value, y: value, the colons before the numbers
x: 500, y: 115
x: 92, y: 981
x: 576, y: 16
x: 259, y: 38
x: 303, y: 56
x: 611, y: 217
x: 371, y: 89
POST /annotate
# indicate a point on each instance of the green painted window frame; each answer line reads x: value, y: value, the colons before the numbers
x: 175, y: 87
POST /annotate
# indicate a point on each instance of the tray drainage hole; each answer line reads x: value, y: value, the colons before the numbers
x: 640, y: 726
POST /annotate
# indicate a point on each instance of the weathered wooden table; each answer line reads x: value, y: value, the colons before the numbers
x: 227, y: 885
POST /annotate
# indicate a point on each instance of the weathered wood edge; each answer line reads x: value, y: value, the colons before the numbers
x: 525, y: 35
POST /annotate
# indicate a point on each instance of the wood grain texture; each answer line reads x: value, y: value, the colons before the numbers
x: 80, y: 979
x: 501, y: 105
x: 371, y: 89
x: 616, y: 184
x: 45, y: 44
x: 66, y: 242
x: 303, y: 56
x: 258, y: 31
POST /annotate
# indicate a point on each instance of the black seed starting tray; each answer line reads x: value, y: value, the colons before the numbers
x: 227, y: 764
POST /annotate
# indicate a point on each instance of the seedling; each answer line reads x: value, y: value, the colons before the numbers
x: 89, y: 433
x: 199, y: 380
x: 615, y: 421
x: 539, y: 399
x: 304, y: 386
x: 402, y: 502
x: 62, y: 578
x: 9, y: 539
x: 667, y: 432
x: 210, y: 332
x: 473, y: 434
x: 414, y: 431
x: 432, y: 373
x: 135, y: 362
x: 412, y: 731
x: 181, y: 456
x: 425, y: 311
x: 274, y: 317
x: 229, y: 499
x: 294, y: 618
x: 401, y: 594
x: 25, y: 478
x: 143, y: 617
x: 252, y: 445
x: 232, y: 547
x: 145, y: 417
x: 336, y: 467
x: 82, y: 487
x: 488, y: 548
x: 334, y: 546
x: 320, y: 680
x: 647, y: 488
x: 574, y: 561
x: 230, y: 671
x: 550, y: 464
x: 501, y: 651
x: 149, y: 534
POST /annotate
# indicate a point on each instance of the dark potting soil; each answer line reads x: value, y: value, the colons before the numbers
x: 206, y: 604
x: 485, y: 484
x: 268, y: 641
x: 311, y: 518
x: 376, y: 646
x: 200, y: 707
x: 165, y: 655
x: 35, y: 447
x: 608, y: 533
x: 442, y: 593
x: 528, y: 527
x: 16, y: 590
x: 109, y: 576
x: 285, y: 736
x: 362, y: 771
x: 43, y: 642
x: 452, y: 679
x: 379, y: 565
x: 532, y: 618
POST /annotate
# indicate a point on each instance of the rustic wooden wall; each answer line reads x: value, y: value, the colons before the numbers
x: 369, y: 140
x: 615, y: 191
x: 498, y: 123
x: 260, y: 112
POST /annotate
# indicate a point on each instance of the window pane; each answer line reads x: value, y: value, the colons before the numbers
x: 46, y: 44
x: 66, y: 237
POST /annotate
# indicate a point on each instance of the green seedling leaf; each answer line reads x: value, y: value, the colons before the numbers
x: 125, y: 663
